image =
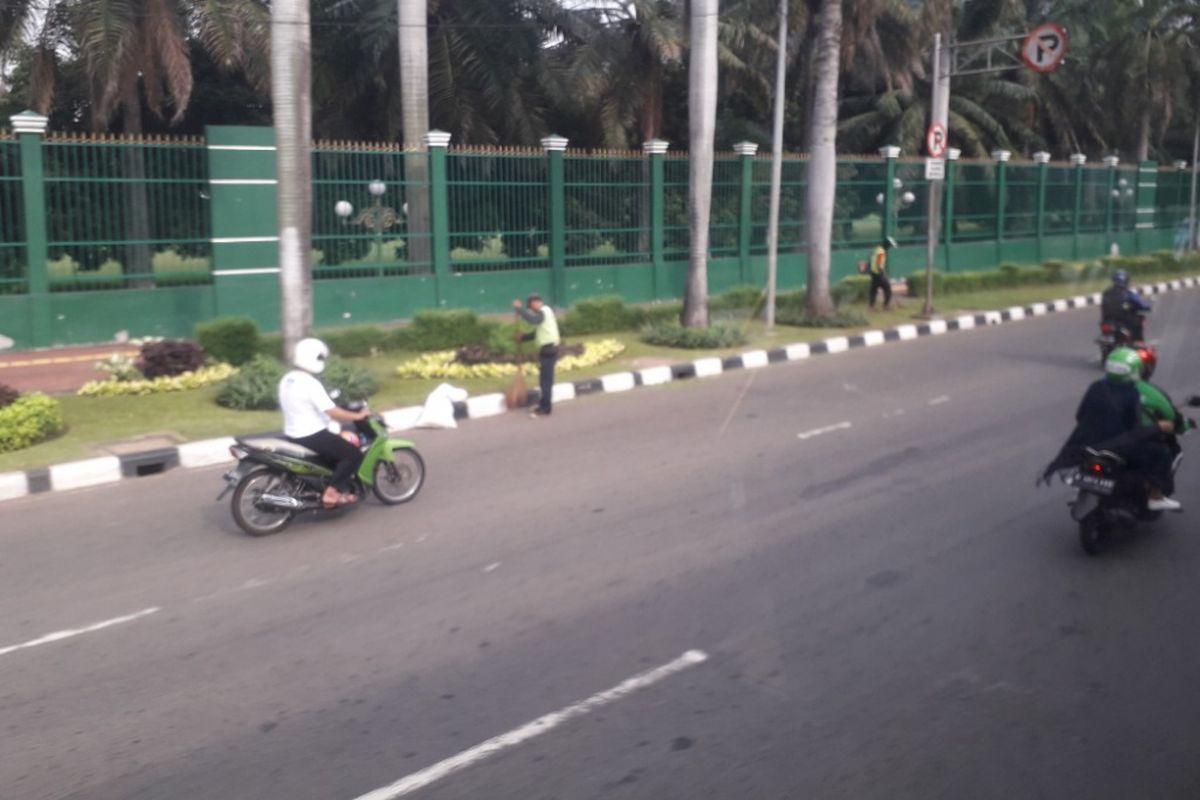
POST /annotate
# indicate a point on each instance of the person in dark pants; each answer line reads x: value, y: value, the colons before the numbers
x: 879, y: 274
x: 307, y: 413
x: 545, y: 335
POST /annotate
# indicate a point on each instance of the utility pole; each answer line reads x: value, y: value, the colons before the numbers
x: 940, y: 113
x: 776, y: 165
x: 1192, y: 202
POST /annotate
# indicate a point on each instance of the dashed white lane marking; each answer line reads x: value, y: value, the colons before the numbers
x: 530, y: 730
x: 820, y: 431
x: 495, y: 565
x: 937, y: 401
x: 67, y: 634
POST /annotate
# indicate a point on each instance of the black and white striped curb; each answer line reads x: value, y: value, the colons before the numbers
x: 212, y: 452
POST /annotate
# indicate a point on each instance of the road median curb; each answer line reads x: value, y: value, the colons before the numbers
x: 213, y: 452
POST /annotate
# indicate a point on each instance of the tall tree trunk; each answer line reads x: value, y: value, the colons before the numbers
x: 702, y: 123
x: 291, y: 95
x: 138, y: 260
x: 1143, y: 142
x: 414, y: 107
x: 822, y: 164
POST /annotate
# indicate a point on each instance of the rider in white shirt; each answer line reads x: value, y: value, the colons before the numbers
x: 308, y: 412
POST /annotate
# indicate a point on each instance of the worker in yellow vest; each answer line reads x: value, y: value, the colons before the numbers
x: 879, y: 274
x: 545, y: 335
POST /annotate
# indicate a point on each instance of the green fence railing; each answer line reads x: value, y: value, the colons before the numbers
x: 12, y: 219
x: 126, y: 212
x: 474, y: 227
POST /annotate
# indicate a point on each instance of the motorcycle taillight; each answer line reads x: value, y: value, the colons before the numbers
x: 1106, y: 328
x: 1097, y: 468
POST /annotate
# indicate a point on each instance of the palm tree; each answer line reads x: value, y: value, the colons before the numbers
x: 822, y: 164
x: 291, y: 94
x: 702, y: 118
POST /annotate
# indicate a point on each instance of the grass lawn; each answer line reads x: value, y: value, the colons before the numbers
x: 94, y: 422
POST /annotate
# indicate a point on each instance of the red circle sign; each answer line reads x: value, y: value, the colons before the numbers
x: 936, y: 140
x: 1044, y: 47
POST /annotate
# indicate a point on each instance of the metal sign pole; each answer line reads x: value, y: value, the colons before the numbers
x: 939, y: 112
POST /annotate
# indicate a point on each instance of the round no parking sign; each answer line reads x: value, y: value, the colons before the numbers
x: 935, y: 140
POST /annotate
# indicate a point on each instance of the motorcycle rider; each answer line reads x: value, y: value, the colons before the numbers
x: 307, y: 414
x: 1109, y: 417
x: 1124, y: 307
x: 1158, y: 408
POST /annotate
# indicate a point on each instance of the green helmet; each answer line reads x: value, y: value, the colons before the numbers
x: 1123, y: 365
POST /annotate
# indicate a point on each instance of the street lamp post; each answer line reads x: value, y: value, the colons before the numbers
x: 377, y: 188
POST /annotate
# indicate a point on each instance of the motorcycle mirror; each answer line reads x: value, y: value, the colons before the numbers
x: 1194, y: 400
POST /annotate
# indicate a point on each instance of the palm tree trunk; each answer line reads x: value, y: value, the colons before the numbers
x: 291, y: 95
x: 822, y: 164
x: 414, y: 106
x: 137, y: 254
x: 702, y: 122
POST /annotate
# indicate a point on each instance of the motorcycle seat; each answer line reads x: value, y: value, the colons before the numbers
x: 1104, y: 455
x: 275, y: 444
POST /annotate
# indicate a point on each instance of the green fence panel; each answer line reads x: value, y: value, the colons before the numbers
x: 126, y: 212
x: 13, y: 254
x: 911, y: 225
x: 1093, y: 209
x: 374, y: 184
x: 607, y: 205
x: 1060, y: 199
x: 1021, y: 202
x: 676, y: 233
x: 792, y: 189
x: 974, y: 201
x: 725, y: 219
x: 499, y: 210
x: 858, y: 203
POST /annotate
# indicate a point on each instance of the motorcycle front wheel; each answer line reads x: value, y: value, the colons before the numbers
x: 1093, y: 534
x: 399, y: 480
x: 251, y: 517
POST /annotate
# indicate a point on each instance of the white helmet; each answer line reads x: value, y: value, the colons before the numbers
x: 310, y: 355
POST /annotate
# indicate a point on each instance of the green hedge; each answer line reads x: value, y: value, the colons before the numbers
x: 256, y: 386
x: 29, y: 419
x: 673, y: 334
x: 233, y: 340
x: 1052, y: 272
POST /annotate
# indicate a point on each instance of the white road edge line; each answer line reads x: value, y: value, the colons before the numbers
x: 827, y: 429
x: 530, y: 730
x: 67, y: 634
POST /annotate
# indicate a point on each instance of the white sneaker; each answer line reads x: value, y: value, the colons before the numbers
x: 1164, y: 504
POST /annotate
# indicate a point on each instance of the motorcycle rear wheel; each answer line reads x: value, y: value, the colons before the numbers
x: 399, y: 480
x: 1093, y: 534
x: 251, y: 518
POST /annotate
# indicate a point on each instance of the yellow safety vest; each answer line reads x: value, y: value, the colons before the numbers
x: 879, y: 261
x: 547, y: 330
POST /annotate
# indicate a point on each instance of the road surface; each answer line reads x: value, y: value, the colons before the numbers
x: 830, y: 579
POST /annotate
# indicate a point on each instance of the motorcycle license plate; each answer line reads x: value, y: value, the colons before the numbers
x: 1091, y: 483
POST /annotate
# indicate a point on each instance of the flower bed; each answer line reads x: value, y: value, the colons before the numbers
x: 205, y: 376
x: 446, y: 364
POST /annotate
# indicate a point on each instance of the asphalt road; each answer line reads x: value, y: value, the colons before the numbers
x: 886, y: 609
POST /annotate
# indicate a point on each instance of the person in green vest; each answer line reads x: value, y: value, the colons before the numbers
x: 545, y: 336
x: 878, y: 269
x: 1158, y: 410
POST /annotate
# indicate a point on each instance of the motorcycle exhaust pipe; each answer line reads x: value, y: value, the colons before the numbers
x: 284, y: 502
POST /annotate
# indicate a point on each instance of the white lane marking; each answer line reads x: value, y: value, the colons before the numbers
x: 827, y: 429
x: 495, y: 565
x: 937, y: 401
x: 530, y: 730
x: 736, y: 404
x: 67, y: 634
x: 899, y: 412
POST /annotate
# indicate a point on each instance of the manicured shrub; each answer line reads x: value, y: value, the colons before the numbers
x: 599, y: 315
x: 8, y: 395
x: 169, y: 358
x: 205, y: 376
x: 673, y: 334
x: 270, y: 344
x: 361, y: 340
x: 440, y: 330
x: 29, y: 419
x: 233, y: 340
x: 737, y: 298
x: 256, y: 386
x: 856, y: 289
x: 842, y: 318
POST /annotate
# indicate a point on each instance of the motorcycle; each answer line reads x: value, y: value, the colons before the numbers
x: 276, y: 480
x: 1109, y: 495
x: 1113, y: 335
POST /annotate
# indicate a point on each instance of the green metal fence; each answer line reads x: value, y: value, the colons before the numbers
x: 126, y: 212
x: 361, y: 226
x: 395, y: 231
x: 12, y: 219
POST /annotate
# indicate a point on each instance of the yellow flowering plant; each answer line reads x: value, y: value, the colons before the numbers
x: 442, y: 364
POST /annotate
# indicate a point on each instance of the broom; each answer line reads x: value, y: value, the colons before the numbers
x: 517, y: 395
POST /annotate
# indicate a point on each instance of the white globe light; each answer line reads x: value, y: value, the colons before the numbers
x: 897, y: 183
x: 879, y: 198
x: 343, y: 208
x: 376, y: 188
x: 1122, y: 183
x: 909, y: 197
x: 1116, y: 192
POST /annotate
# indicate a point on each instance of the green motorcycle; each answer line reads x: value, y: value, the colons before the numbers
x: 275, y: 481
